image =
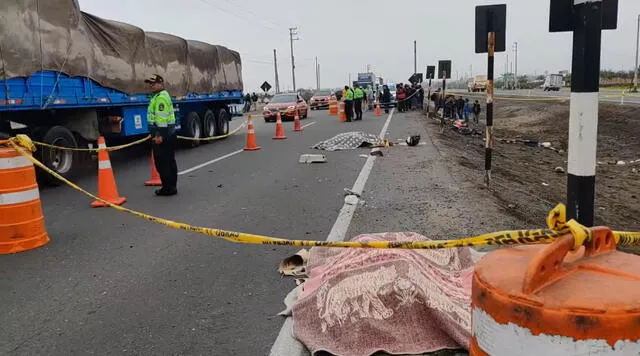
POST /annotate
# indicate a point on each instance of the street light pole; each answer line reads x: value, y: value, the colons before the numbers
x: 635, y: 70
x: 515, y: 74
x: 292, y: 32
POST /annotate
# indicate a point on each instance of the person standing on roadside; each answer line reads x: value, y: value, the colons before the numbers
x: 358, y: 97
x: 162, y: 127
x: 348, y: 102
x: 476, y: 111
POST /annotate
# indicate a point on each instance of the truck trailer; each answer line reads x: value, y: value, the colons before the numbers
x: 71, y: 77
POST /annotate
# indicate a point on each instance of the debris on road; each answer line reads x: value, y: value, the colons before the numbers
x: 351, y: 192
x: 377, y: 153
x: 559, y: 169
x: 351, y: 200
x: 413, y: 140
x: 545, y: 184
x: 295, y: 265
x: 312, y: 158
x: 363, y: 156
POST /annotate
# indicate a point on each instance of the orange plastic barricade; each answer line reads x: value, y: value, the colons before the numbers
x: 343, y: 114
x: 21, y: 220
x: 543, y: 300
x: 333, y: 107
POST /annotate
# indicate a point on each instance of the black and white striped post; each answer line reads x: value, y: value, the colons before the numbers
x: 491, y: 21
x: 431, y: 71
x: 587, y: 19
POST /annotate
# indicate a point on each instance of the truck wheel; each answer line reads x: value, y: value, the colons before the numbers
x: 60, y: 161
x: 209, y: 125
x: 191, y: 127
x: 222, y: 122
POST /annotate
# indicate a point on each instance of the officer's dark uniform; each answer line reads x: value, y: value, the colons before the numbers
x: 162, y: 123
x: 358, y: 96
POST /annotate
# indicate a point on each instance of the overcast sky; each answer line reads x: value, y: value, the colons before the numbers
x: 348, y: 35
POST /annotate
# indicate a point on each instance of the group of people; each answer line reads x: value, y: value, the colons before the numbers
x: 409, y: 97
x: 457, y: 107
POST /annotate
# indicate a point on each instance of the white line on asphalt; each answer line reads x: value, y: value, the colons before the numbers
x: 286, y: 344
x: 309, y: 124
x: 210, y: 162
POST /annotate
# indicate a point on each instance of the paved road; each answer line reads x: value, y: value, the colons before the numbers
x: 110, y: 283
x: 607, y: 96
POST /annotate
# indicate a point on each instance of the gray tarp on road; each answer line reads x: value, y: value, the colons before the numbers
x: 55, y: 35
x: 348, y: 141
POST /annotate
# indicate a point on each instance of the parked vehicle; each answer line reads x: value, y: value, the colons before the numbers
x: 553, y: 82
x: 477, y: 84
x: 287, y: 105
x: 321, y: 98
x: 100, y: 90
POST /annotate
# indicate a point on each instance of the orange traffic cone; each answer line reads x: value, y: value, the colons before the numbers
x: 251, y: 137
x: 155, y: 177
x: 107, y: 189
x: 378, y: 110
x: 343, y: 115
x: 279, y: 129
x: 296, y: 123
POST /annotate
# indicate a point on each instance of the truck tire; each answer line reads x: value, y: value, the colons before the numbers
x: 191, y: 127
x: 208, y: 125
x: 222, y: 122
x: 60, y: 161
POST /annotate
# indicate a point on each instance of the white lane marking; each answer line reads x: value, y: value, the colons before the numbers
x: 209, y: 162
x: 340, y: 227
x: 309, y: 124
x: 286, y: 344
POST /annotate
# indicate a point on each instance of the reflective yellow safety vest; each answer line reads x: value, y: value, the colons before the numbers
x: 160, y: 116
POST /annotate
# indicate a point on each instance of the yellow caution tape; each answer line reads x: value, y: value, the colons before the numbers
x: 556, y: 221
x: 108, y: 149
x: 214, y: 137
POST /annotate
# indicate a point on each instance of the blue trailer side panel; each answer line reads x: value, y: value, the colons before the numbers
x: 49, y: 90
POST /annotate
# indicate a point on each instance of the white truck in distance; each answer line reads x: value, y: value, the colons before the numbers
x: 553, y: 82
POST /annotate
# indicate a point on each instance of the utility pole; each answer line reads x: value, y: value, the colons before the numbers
x: 515, y: 74
x: 275, y: 68
x: 293, y: 32
x: 635, y: 69
x: 415, y: 58
x: 317, y: 76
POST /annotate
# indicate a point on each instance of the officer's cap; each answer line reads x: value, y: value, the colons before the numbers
x: 154, y: 79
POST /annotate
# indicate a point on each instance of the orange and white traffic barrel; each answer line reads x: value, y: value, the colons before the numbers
x: 21, y: 221
x: 534, y: 301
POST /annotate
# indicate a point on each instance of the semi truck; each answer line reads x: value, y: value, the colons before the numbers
x: 71, y: 77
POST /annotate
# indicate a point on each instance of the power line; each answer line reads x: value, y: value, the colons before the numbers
x: 250, y: 12
x: 236, y: 15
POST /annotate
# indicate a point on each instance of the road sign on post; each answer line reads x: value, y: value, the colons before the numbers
x: 444, y: 72
x: 587, y: 19
x: 265, y: 86
x: 431, y: 71
x: 491, y: 23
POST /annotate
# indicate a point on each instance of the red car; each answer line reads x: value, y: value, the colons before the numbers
x: 321, y: 99
x: 287, y: 104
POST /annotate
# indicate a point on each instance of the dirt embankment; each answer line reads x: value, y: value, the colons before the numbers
x: 525, y: 178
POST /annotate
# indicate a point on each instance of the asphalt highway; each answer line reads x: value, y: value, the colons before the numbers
x: 111, y: 283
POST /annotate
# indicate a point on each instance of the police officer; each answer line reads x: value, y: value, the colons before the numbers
x: 162, y: 122
x: 358, y: 96
x: 348, y: 102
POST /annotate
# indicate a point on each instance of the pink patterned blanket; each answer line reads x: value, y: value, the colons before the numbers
x: 360, y: 301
